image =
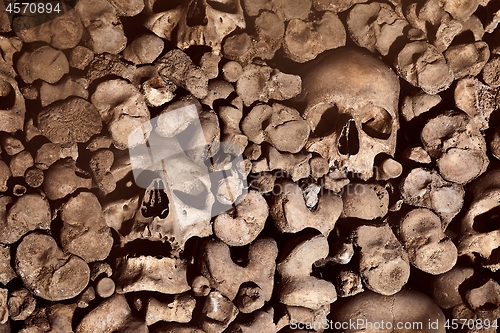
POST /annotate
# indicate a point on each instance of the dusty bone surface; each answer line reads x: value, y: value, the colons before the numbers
x: 219, y: 166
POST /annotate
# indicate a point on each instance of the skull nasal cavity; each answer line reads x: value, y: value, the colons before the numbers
x: 349, y: 140
x: 196, y: 14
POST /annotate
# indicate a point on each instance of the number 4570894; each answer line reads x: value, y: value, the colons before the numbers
x: 33, y: 8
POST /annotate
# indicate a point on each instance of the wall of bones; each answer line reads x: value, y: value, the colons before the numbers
x: 249, y: 166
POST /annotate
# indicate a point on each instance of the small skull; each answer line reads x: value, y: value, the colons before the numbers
x: 352, y: 108
x: 199, y: 22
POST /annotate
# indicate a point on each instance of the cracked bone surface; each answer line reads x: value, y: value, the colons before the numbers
x: 384, y: 264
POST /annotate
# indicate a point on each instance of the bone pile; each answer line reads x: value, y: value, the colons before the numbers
x: 366, y: 134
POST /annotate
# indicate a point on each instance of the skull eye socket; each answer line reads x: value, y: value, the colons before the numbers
x: 227, y: 6
x: 377, y: 122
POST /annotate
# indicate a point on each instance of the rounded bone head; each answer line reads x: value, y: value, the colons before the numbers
x: 352, y: 108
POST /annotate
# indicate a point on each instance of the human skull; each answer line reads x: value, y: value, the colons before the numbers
x: 198, y: 22
x: 479, y: 233
x: 352, y: 108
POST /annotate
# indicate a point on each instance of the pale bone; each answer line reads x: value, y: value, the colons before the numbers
x: 219, y: 21
x: 362, y: 101
x: 274, y: 124
x: 106, y: 64
x: 304, y: 40
x: 290, y: 214
x: 209, y: 63
x: 218, y: 312
x: 262, y: 83
x: 226, y: 277
x: 369, y: 308
x: 349, y: 283
x: 62, y: 32
x: 9, y: 46
x: 335, y: 5
x: 67, y: 86
x: 458, y: 9
x: 494, y: 143
x: 475, y: 237
x: 144, y: 49
x: 217, y: 90
x: 467, y: 59
x: 63, y: 178
x: 49, y: 153
x: 426, y: 188
x: 232, y: 71
x: 417, y: 154
x: 20, y: 162
x: 268, y: 39
x: 4, y: 310
x: 477, y: 100
x: 147, y: 273
x: 128, y: 8
x: 259, y: 321
x: 45, y: 63
x: 200, y: 286
x: 105, y: 287
x: 454, y: 140
x: 384, y: 264
x: 12, y: 145
x: 418, y: 103
x: 422, y: 65
x: 335, y: 180
x: 180, y: 69
x: 365, y: 201
x: 21, y: 304
x: 304, y: 315
x: 28, y: 213
x: 298, y: 287
x: 286, y: 10
x: 7, y: 274
x: 295, y: 165
x: 69, y: 121
x: 100, y: 168
x: 388, y: 169
x: 11, y: 118
x: 179, y: 309
x: 493, y: 17
x: 319, y: 167
x: 123, y: 108
x: 84, y: 231
x: 450, y: 28
x: 249, y: 298
x: 488, y: 293
x: 243, y: 224
x: 158, y: 90
x: 310, y: 194
x: 112, y: 315
x: 230, y: 118
x: 375, y: 26
x: 490, y: 72
x: 105, y: 30
x: 47, y: 271
x: 80, y: 57
x: 5, y: 175
x: 428, y: 248
x: 445, y: 287
x: 117, y: 212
